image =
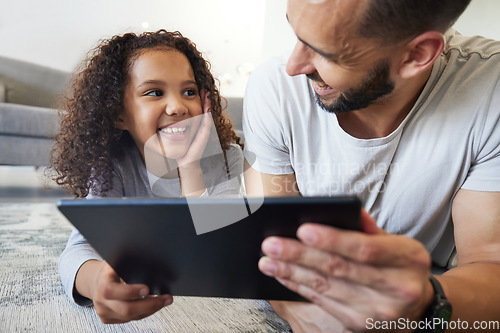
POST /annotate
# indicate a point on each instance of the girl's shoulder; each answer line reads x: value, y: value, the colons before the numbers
x: 234, y: 146
x: 234, y: 151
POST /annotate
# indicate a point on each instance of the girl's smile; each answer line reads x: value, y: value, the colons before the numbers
x: 177, y: 131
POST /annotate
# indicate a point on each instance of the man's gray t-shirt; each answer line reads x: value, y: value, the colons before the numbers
x: 450, y: 140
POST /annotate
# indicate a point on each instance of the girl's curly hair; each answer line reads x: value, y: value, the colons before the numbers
x: 88, y: 141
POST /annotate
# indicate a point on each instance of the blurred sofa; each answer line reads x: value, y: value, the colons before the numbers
x: 234, y: 111
x: 28, y: 122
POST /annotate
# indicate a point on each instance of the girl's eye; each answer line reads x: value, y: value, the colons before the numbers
x: 154, y: 93
x: 190, y: 92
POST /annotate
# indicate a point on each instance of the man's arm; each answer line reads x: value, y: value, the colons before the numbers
x: 384, y: 277
x: 472, y: 287
x: 266, y: 185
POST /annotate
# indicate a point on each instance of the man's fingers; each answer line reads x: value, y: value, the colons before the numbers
x: 369, y: 225
x: 332, y: 265
x: 341, y: 290
x: 380, y: 249
x: 330, y: 307
x: 340, y: 297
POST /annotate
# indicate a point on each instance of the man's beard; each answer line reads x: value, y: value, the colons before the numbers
x: 375, y: 85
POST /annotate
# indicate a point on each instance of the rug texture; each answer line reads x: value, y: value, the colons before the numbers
x: 32, y: 236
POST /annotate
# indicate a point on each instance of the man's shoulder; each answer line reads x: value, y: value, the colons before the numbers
x: 469, y: 66
x: 466, y: 46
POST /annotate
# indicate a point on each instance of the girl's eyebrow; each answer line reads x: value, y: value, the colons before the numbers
x: 153, y: 82
x: 150, y: 82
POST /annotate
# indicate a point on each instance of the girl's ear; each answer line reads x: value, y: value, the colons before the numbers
x: 120, y: 123
x: 420, y: 53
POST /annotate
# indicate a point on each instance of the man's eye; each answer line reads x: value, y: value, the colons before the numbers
x: 154, y: 93
x: 190, y: 92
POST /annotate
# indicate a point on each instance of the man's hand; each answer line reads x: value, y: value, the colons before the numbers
x: 116, y: 302
x: 351, y: 275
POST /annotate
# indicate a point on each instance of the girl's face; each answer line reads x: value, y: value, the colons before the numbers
x: 161, y: 103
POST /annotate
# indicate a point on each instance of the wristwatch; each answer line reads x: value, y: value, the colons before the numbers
x: 439, y: 312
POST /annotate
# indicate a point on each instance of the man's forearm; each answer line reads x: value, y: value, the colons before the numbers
x: 473, y: 290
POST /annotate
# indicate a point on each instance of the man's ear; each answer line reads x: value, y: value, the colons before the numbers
x: 420, y: 53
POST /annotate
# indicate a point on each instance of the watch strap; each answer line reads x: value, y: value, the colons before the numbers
x: 439, y: 309
x: 438, y: 290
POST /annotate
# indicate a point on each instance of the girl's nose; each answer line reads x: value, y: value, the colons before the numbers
x: 175, y: 107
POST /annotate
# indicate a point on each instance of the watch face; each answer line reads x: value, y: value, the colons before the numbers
x: 443, y: 311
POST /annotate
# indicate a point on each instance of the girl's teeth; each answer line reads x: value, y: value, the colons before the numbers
x: 175, y: 130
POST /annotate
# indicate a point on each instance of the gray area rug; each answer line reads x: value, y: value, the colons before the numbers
x: 32, y: 236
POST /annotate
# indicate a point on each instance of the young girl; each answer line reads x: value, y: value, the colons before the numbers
x: 138, y: 123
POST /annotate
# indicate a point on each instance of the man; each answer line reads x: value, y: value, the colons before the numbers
x: 382, y: 101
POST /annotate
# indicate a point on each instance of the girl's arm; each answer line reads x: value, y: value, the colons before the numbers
x: 77, y: 252
x: 89, y: 280
x: 192, y: 182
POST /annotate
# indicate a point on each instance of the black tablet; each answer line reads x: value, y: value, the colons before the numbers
x: 201, y: 247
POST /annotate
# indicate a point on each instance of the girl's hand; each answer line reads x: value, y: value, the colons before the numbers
x: 195, y: 151
x: 190, y: 172
x: 116, y: 302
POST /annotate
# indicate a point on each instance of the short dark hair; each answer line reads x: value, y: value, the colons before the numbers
x: 395, y: 21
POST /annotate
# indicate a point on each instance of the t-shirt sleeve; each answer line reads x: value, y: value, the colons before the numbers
x: 229, y: 184
x: 484, y: 173
x: 76, y: 253
x: 265, y: 147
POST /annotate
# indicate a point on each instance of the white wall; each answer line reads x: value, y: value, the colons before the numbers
x: 59, y: 33
x: 482, y: 17
x: 235, y: 35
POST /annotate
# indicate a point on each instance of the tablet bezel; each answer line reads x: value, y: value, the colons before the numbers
x: 153, y: 241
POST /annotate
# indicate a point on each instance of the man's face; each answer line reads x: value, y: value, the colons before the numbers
x: 375, y: 85
x: 346, y: 72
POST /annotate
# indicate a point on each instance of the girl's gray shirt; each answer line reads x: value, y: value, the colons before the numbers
x: 131, y: 179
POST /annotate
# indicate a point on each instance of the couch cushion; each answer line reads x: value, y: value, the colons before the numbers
x: 25, y: 120
x: 234, y: 111
x: 17, y: 150
x: 3, y: 96
x: 31, y: 84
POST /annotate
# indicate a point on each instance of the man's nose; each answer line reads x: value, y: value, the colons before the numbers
x: 300, y: 60
x: 175, y: 106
